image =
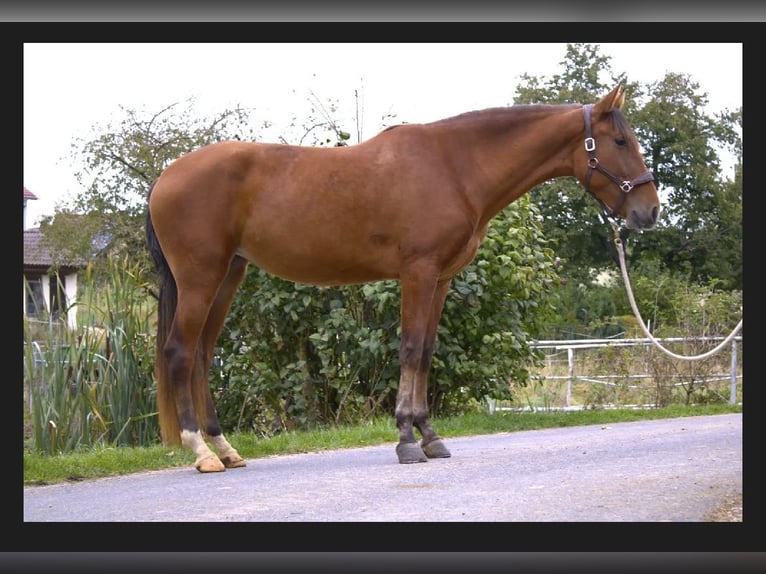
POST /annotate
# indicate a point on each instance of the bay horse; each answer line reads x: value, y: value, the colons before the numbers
x: 412, y: 204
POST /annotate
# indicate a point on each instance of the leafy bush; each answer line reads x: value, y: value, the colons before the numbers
x: 294, y: 356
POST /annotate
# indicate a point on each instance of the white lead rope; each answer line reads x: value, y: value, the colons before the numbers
x: 621, y: 254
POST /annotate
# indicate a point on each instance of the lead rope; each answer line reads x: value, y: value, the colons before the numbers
x: 621, y: 254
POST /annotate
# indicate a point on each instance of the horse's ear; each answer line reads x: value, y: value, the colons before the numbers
x: 619, y: 98
x: 613, y: 99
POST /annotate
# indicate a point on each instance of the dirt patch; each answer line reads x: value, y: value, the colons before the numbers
x: 728, y: 511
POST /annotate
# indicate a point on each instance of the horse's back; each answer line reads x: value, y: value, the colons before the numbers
x: 316, y: 215
x: 294, y: 211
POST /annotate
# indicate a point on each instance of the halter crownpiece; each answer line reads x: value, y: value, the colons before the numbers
x: 593, y: 163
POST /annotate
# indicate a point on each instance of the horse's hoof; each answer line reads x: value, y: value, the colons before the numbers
x: 409, y: 452
x: 233, y: 461
x: 210, y: 464
x: 436, y: 449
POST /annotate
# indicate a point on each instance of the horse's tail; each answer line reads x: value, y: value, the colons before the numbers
x: 170, y: 428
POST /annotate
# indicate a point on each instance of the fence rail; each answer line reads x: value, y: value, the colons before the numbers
x: 572, y: 346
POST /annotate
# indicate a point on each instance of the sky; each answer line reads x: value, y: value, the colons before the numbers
x: 74, y: 91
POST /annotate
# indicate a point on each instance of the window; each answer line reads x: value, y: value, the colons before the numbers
x: 35, y: 298
x: 58, y: 297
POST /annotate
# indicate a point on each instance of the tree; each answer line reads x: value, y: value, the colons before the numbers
x: 571, y: 218
x: 700, y: 231
x: 119, y: 165
x: 122, y: 160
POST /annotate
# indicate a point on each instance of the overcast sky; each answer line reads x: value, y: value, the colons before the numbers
x: 71, y: 89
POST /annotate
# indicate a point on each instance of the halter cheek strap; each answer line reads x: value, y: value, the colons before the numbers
x: 593, y: 163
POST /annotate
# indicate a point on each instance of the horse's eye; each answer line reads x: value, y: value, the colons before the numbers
x: 620, y: 141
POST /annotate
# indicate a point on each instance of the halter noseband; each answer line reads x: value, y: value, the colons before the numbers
x: 593, y: 163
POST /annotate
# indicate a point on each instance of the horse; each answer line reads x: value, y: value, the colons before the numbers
x: 412, y: 204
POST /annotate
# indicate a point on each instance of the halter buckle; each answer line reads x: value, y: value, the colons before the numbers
x: 590, y: 144
x: 626, y: 186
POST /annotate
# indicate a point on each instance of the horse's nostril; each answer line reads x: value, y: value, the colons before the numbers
x: 655, y: 213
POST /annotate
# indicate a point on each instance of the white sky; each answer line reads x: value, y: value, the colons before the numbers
x: 71, y: 88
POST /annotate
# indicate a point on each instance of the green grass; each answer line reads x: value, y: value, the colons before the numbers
x: 40, y: 469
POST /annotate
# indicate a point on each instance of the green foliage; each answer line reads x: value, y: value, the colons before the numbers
x: 671, y: 302
x: 118, y: 166
x: 584, y: 70
x: 700, y: 231
x: 572, y: 219
x: 699, y: 234
x: 680, y: 307
x: 496, y: 306
x: 295, y: 356
x: 94, y: 386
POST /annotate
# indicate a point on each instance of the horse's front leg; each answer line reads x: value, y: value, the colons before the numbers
x: 432, y: 444
x: 420, y: 294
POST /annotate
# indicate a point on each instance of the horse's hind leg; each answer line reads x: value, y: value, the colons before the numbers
x: 185, y: 370
x: 226, y: 453
x: 189, y: 353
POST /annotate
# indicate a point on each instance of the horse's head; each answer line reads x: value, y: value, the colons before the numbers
x: 611, y: 166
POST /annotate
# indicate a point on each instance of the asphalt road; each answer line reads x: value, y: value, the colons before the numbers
x: 675, y: 470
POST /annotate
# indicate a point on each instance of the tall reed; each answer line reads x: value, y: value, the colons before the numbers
x: 93, y: 386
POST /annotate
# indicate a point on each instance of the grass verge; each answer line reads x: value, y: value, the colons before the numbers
x: 93, y: 463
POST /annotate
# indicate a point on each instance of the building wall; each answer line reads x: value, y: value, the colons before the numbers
x: 70, y: 291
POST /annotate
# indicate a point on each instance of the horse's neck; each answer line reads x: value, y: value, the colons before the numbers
x: 511, y: 153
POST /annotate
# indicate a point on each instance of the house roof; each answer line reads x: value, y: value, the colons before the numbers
x: 28, y: 194
x: 36, y: 254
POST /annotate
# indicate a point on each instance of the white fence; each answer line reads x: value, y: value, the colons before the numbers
x: 572, y: 346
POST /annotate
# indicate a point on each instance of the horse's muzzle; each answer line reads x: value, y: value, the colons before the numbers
x: 643, y: 220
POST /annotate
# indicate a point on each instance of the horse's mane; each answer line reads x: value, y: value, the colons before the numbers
x: 501, y: 112
x: 488, y: 113
x: 497, y: 119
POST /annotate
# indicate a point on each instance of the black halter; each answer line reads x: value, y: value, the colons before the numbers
x: 593, y: 163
